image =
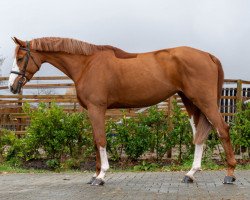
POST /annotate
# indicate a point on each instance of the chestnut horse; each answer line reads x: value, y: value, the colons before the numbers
x: 107, y: 77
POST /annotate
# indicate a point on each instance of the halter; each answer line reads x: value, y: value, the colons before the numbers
x: 23, y: 71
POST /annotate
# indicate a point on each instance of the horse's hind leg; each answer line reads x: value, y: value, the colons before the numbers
x: 200, y: 127
x: 208, y: 104
x: 97, y: 119
x: 222, y: 128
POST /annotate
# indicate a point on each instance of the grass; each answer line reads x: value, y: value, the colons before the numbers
x: 186, y: 166
x: 6, y: 168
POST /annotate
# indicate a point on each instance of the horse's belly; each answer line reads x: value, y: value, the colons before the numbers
x: 140, y: 97
x: 141, y: 84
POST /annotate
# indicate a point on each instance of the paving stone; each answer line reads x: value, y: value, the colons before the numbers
x: 123, y: 185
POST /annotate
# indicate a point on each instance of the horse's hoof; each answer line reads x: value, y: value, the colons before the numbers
x: 98, y: 182
x: 229, y: 180
x: 187, y: 179
x: 91, y: 180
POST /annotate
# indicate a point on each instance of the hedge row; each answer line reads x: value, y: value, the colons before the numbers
x: 65, y: 139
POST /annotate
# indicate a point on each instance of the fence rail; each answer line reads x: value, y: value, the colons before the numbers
x: 60, y: 89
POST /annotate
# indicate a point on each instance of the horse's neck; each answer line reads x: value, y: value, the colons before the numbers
x: 69, y: 64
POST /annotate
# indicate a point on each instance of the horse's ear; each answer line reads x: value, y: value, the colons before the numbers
x: 18, y: 42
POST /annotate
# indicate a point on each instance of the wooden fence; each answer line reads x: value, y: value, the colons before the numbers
x: 59, y: 89
x: 234, y: 91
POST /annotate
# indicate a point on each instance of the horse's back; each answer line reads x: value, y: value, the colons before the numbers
x: 151, y: 77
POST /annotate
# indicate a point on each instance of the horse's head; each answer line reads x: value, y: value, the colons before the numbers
x: 26, y: 64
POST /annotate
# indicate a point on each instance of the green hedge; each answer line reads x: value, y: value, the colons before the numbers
x: 240, y: 127
x: 65, y: 139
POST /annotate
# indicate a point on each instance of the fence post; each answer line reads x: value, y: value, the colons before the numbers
x: 170, y: 124
x: 20, y: 109
x: 74, y: 106
x: 239, y: 95
x: 169, y: 112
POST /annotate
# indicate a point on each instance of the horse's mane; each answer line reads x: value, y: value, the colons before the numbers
x: 72, y: 46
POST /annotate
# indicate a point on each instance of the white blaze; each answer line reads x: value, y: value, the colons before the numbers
x: 13, y: 77
x: 104, y: 163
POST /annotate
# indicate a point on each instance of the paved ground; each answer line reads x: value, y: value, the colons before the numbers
x: 127, y: 185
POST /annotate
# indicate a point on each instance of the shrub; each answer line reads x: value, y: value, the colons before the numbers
x: 158, y: 127
x: 53, y: 164
x: 150, y: 131
x: 129, y: 135
x: 240, y: 127
x: 46, y: 130
x: 211, y: 144
x: 7, y: 139
x: 181, y: 135
x: 64, y: 139
x: 58, y: 134
x: 144, y: 166
x: 114, y: 140
x: 78, y: 137
x: 136, y: 138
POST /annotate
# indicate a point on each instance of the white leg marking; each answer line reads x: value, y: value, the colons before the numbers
x: 197, y: 153
x: 197, y: 160
x: 13, y: 77
x: 104, y: 163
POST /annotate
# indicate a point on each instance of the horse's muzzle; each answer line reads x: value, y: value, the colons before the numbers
x: 18, y: 88
x: 14, y: 91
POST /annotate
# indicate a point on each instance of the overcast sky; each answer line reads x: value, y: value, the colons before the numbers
x: 221, y: 27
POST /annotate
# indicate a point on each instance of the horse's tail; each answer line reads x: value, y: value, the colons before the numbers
x: 220, y: 76
x: 204, y: 126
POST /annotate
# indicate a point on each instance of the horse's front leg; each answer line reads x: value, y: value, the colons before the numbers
x: 97, y: 119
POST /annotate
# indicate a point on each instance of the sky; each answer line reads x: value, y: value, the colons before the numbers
x: 221, y: 27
